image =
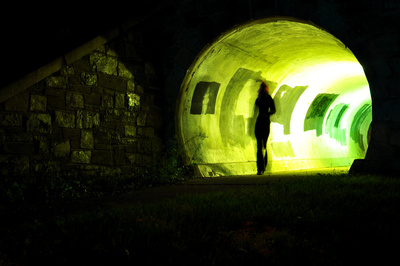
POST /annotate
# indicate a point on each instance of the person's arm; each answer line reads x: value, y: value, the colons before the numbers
x: 272, y: 109
x: 256, y: 105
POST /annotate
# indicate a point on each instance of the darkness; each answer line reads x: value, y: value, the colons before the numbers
x: 35, y: 34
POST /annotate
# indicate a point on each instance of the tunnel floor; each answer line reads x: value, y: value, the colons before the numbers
x: 322, y: 96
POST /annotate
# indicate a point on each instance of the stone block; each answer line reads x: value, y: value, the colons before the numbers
x: 112, y: 82
x: 103, y: 146
x: 118, y: 116
x: 75, y: 144
x: 67, y: 71
x: 107, y: 136
x: 74, y: 81
x: 65, y: 119
x: 38, y: 103
x: 61, y: 148
x: 74, y: 100
x: 87, y: 119
x: 141, y: 119
x: 133, y: 158
x: 119, y: 101
x: 87, y: 139
x: 130, y: 86
x: 39, y: 123
x: 101, y: 49
x: 124, y: 70
x: 102, y: 63
x: 82, y: 64
x: 54, y: 92
x: 26, y: 148
x: 102, y: 136
x: 57, y: 82
x: 92, y: 99
x: 57, y: 132
x: 42, y: 145
x: 107, y: 101
x: 71, y: 133
x: 89, y: 79
x: 81, y: 89
x: 11, y: 120
x: 102, y: 157
x: 130, y: 131
x: 97, y: 90
x: 133, y: 100
x: 19, y: 137
x: 81, y: 157
x: 56, y: 102
x: 19, y: 102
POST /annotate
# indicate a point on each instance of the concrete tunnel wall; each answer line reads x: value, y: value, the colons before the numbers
x: 321, y: 93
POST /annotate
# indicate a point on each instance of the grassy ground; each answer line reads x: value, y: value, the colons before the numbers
x: 318, y: 220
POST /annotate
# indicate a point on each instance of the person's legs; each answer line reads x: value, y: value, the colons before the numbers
x: 265, y: 147
x: 260, y: 159
x: 265, y: 157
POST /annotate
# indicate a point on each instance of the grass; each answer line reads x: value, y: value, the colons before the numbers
x: 318, y: 220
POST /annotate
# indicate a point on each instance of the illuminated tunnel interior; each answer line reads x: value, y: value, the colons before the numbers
x: 320, y: 91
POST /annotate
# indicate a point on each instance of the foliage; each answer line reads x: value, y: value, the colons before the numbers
x: 169, y: 166
x: 197, y: 141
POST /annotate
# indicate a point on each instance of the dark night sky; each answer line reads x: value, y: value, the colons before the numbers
x: 35, y: 35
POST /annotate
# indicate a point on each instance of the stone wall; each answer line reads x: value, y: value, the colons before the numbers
x: 100, y: 115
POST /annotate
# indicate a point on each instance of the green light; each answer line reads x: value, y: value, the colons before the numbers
x: 320, y: 91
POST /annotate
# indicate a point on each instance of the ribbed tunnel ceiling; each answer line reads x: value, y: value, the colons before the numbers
x: 320, y: 90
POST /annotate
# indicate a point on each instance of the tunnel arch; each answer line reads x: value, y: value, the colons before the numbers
x: 323, y: 101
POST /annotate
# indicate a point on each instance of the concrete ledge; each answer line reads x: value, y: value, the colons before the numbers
x: 22, y: 84
x: 389, y: 166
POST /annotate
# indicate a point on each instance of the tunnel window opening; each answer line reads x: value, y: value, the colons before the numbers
x: 316, y: 112
x: 322, y: 96
x: 203, y: 101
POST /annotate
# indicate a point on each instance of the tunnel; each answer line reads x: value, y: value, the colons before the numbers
x: 321, y: 93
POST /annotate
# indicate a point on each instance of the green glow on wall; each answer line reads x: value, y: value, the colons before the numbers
x: 320, y: 91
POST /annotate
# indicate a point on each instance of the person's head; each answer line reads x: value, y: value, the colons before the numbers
x: 263, y: 88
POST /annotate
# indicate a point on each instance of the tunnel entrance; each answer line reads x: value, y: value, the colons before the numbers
x: 322, y: 96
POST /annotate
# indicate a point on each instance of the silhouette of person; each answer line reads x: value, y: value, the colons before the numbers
x: 266, y: 107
